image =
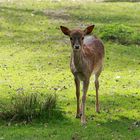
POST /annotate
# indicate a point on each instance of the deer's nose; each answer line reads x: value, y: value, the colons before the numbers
x: 76, y: 46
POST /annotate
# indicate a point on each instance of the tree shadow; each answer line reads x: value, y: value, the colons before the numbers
x: 50, y: 13
x: 118, y: 118
x: 11, y: 9
x: 121, y: 128
x: 65, y: 14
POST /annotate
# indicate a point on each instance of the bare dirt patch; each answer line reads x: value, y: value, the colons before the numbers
x: 57, y: 14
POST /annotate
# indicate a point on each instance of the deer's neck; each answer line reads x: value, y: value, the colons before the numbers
x: 78, y: 59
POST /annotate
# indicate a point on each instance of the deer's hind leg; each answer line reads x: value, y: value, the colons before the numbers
x: 97, y: 89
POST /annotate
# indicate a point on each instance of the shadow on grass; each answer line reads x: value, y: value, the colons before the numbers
x: 55, y: 14
x: 5, y: 9
x: 122, y: 128
x: 65, y: 14
x: 118, y: 119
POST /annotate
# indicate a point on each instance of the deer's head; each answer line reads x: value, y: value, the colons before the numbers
x: 77, y: 36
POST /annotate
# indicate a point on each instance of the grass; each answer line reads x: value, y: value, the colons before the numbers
x: 34, y: 57
x: 28, y: 107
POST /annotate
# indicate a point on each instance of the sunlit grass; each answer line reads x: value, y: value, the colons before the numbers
x: 34, y: 56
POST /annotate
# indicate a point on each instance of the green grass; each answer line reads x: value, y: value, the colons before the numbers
x: 35, y: 55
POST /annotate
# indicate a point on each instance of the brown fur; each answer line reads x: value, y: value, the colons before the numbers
x: 85, y: 60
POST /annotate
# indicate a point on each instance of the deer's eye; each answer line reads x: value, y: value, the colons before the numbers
x: 70, y: 38
x: 82, y: 38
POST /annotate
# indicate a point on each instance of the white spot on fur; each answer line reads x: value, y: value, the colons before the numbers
x: 88, y: 39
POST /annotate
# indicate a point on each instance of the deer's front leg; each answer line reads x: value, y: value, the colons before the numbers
x: 85, y: 88
x: 77, y: 84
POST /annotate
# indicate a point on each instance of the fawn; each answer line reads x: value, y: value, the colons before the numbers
x: 86, y: 58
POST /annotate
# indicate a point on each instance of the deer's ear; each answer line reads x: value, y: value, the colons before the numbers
x: 65, y: 30
x: 89, y: 29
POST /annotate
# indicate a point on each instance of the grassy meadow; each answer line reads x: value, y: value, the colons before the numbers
x: 34, y: 59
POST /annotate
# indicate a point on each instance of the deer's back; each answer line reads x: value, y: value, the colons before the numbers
x: 94, y: 52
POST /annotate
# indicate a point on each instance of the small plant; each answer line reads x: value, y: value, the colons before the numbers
x: 120, y: 33
x: 28, y: 106
x: 48, y: 104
